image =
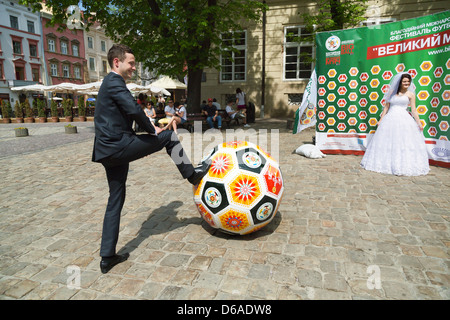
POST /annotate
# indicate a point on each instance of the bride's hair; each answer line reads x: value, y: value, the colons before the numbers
x: 405, y: 75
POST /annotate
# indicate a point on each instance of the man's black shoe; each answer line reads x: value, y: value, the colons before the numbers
x: 200, y: 172
x: 108, y: 263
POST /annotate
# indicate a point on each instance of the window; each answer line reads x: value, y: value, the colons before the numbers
x: 233, y: 62
x: 14, y: 21
x: 103, y: 44
x: 20, y: 73
x: 75, y: 50
x: 104, y: 64
x: 90, y: 43
x: 54, y: 69
x: 77, y: 72
x: 297, y: 55
x: 35, y: 74
x: 51, y: 45
x: 17, y: 47
x: 33, y: 50
x: 92, y: 64
x: 64, y: 47
x: 65, y: 69
x: 30, y: 26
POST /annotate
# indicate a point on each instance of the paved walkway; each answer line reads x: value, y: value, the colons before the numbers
x: 341, y: 232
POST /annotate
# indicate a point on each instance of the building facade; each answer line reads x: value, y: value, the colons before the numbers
x: 21, y: 49
x: 270, y: 66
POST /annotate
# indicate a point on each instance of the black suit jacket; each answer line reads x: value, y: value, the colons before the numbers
x: 115, y: 111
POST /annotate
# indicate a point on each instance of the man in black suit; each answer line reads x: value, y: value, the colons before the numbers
x: 116, y: 145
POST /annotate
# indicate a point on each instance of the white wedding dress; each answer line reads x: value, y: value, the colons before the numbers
x: 398, y: 146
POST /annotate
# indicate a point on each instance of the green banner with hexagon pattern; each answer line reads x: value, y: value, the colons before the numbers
x: 354, y: 68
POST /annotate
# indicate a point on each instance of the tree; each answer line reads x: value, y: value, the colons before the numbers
x: 172, y: 37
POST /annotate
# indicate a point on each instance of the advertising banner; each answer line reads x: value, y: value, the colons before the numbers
x: 354, y: 68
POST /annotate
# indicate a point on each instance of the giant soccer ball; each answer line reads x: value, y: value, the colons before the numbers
x: 242, y: 190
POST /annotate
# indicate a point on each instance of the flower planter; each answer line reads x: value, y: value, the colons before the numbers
x: 71, y: 129
x: 29, y: 120
x: 6, y: 120
x: 19, y: 120
x: 21, y: 132
x: 54, y: 119
x: 68, y: 119
x: 42, y: 119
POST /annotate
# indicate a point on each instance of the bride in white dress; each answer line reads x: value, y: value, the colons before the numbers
x: 398, y: 145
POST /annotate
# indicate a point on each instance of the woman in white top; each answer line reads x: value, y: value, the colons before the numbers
x: 150, y: 111
x: 242, y: 105
x: 179, y: 116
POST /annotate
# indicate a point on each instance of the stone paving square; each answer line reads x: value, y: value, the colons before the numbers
x: 341, y: 232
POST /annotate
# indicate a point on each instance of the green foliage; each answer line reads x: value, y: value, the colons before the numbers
x: 6, y: 109
x: 81, y: 107
x: 18, y: 109
x: 54, y: 108
x: 40, y: 108
x: 67, y: 105
x: 28, y: 109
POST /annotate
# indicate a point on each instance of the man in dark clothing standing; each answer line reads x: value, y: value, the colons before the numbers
x: 116, y: 145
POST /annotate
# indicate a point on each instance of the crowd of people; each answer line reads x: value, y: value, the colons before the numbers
x: 174, y: 114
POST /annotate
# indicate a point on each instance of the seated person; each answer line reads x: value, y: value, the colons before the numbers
x: 150, y: 111
x: 235, y: 114
x: 179, y: 116
x: 212, y: 114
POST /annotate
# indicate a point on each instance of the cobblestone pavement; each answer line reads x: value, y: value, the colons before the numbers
x: 341, y: 232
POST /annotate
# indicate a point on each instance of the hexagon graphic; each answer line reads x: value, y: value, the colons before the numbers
x: 412, y: 72
x: 364, y: 76
x: 331, y: 85
x: 331, y: 121
x: 387, y: 75
x: 244, y: 189
x: 342, y: 90
x: 375, y: 70
x: 321, y: 127
x: 341, y: 103
x: 373, y: 96
x: 251, y: 160
x: 331, y: 73
x: 363, y: 89
x: 234, y: 220
x: 321, y: 103
x: 400, y: 67
x: 421, y: 109
x: 443, y: 125
x: 264, y: 210
x: 374, y: 83
x: 353, y: 84
x: 321, y: 79
x: 352, y: 109
x: 385, y: 88
x: 352, y: 96
x: 274, y: 182
x: 221, y: 165
x: 435, y: 102
x: 445, y: 111
x: 423, y: 95
x: 436, y: 87
x: 447, y: 79
x: 363, y: 102
x: 424, y: 80
x: 341, y: 115
x: 373, y: 122
x: 426, y: 66
x: 447, y: 64
x: 341, y: 126
x: 438, y: 72
x: 362, y: 127
x: 342, y: 78
x: 433, y: 117
x: 321, y: 115
x: 352, y: 121
x: 446, y: 95
x: 331, y: 109
x: 331, y: 97
x: 362, y: 115
x: 373, y: 109
x: 322, y: 91
x: 432, y: 131
x: 353, y: 71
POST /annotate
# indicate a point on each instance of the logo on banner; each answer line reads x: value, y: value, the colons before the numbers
x: 333, y: 43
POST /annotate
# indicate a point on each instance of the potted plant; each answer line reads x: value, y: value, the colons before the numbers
x: 21, y: 132
x: 70, y: 129
x: 28, y: 112
x: 67, y: 105
x: 81, y: 109
x: 18, y: 111
x: 6, y: 112
x: 54, y: 111
x: 41, y: 111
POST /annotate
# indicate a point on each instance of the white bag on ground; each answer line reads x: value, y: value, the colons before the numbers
x: 310, y: 151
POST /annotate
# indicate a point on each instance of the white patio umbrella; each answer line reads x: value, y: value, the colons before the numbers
x: 32, y: 87
x: 92, y: 86
x: 65, y: 87
x: 157, y: 90
x: 168, y: 83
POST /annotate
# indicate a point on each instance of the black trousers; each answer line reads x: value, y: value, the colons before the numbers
x: 116, y: 167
